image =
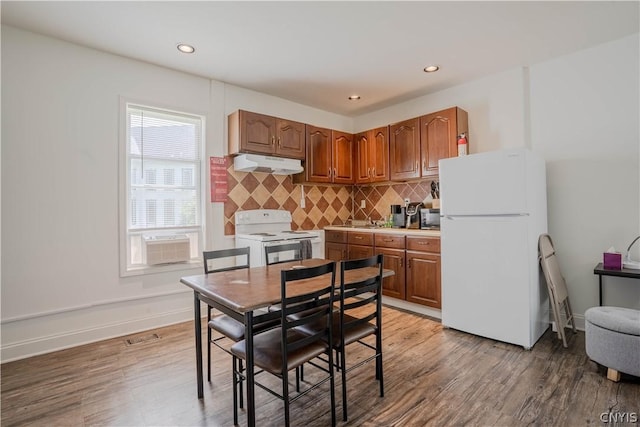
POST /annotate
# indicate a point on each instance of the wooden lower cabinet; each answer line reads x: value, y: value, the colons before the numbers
x: 335, y: 251
x: 360, y: 245
x: 335, y: 247
x: 394, y: 259
x: 414, y: 259
x: 423, y: 270
x: 423, y: 278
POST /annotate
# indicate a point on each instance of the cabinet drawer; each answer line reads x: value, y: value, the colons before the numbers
x: 389, y: 241
x: 424, y: 244
x: 335, y: 236
x: 358, y: 238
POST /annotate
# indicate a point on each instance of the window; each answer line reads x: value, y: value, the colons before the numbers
x: 159, y: 145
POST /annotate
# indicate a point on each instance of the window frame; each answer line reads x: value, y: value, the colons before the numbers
x: 126, y: 269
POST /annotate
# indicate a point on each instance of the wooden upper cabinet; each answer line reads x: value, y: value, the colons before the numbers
x: 258, y: 133
x: 404, y: 149
x: 329, y: 156
x: 290, y: 139
x: 372, y: 155
x: 319, y: 166
x: 379, y: 158
x: 439, y: 137
x: 343, y: 164
x: 362, y: 143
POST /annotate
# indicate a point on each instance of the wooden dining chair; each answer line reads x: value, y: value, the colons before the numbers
x: 283, y: 349
x: 291, y: 251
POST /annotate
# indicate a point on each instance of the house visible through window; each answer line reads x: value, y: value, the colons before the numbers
x: 161, y: 211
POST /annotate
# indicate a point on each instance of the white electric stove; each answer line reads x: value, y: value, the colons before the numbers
x: 265, y: 227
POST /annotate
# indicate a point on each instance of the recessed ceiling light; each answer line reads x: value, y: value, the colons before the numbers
x: 354, y: 97
x: 431, y: 69
x: 185, y: 48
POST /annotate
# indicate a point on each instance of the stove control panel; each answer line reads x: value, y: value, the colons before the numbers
x: 263, y: 216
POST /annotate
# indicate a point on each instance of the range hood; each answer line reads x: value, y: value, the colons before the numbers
x: 267, y: 164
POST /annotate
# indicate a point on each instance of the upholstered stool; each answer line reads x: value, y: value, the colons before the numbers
x: 612, y: 337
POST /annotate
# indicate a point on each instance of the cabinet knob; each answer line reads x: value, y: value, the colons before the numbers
x: 279, y: 142
x: 273, y: 140
x: 369, y: 172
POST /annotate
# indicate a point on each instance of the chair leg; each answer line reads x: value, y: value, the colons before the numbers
x: 379, y: 373
x: 240, y: 384
x: 343, y: 363
x: 332, y: 390
x: 570, y: 313
x: 285, y: 395
x: 298, y: 379
x: 208, y: 344
x: 235, y: 391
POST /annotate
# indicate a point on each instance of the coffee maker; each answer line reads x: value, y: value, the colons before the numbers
x: 398, y: 216
x: 413, y: 214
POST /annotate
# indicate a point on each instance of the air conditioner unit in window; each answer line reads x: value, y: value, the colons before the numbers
x: 166, y: 249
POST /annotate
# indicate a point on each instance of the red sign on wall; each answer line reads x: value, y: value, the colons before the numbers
x: 218, y: 175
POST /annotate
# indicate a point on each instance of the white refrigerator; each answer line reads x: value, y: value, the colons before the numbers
x: 493, y: 207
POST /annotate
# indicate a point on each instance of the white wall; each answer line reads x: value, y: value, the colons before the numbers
x: 60, y: 106
x: 585, y: 121
x: 495, y: 105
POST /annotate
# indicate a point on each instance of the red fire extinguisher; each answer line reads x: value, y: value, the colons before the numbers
x: 462, y: 145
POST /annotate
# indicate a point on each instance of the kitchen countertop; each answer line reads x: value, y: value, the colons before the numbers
x: 382, y: 230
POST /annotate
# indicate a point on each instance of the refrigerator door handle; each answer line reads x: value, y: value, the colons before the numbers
x: 516, y: 215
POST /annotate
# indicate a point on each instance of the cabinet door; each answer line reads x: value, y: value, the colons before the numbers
x: 318, y: 165
x: 404, y: 149
x: 423, y: 278
x: 394, y: 259
x: 290, y: 139
x: 335, y: 251
x: 379, y: 154
x: 258, y: 133
x: 357, y: 251
x: 437, y: 139
x: 362, y: 157
x: 343, y: 164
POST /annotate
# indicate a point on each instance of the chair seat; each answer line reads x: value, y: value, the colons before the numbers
x: 351, y: 334
x: 267, y: 350
x: 228, y: 326
x: 234, y: 330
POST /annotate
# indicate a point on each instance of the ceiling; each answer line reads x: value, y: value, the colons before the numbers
x: 319, y: 53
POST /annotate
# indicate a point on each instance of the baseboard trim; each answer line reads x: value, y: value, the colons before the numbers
x: 51, y: 343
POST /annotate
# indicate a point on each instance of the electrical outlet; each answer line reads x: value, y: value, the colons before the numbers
x: 363, y: 204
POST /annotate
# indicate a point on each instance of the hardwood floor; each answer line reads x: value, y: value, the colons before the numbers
x: 433, y: 376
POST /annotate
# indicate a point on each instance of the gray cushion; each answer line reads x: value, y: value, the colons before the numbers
x: 617, y: 319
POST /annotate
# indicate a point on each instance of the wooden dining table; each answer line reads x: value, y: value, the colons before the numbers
x: 241, y: 293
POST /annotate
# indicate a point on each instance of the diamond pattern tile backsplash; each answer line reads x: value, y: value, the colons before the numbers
x: 324, y: 204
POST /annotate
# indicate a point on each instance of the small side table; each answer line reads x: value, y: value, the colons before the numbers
x: 625, y: 272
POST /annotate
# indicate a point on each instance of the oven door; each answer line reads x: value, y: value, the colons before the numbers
x: 311, y: 248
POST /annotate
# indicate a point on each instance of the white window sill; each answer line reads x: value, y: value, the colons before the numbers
x: 164, y: 268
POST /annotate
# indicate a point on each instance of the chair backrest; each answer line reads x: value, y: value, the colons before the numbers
x: 551, y: 268
x: 367, y: 287
x: 225, y: 254
x: 276, y: 254
x: 308, y: 307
